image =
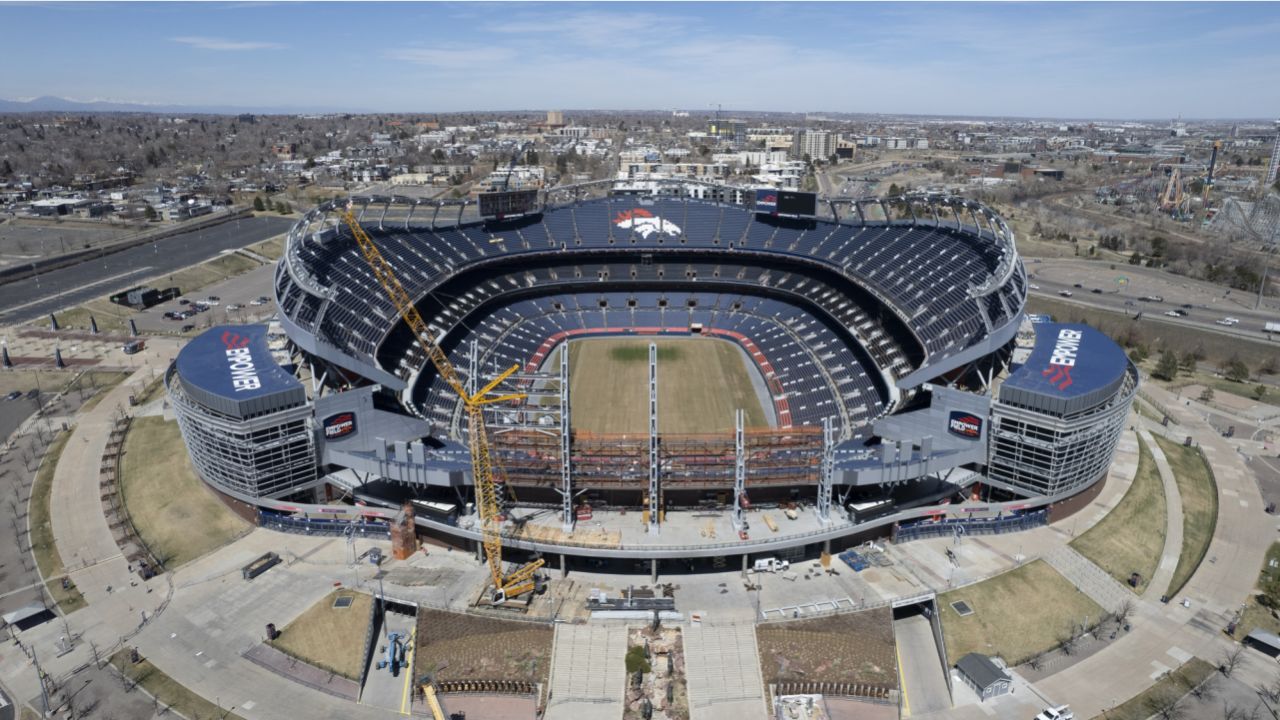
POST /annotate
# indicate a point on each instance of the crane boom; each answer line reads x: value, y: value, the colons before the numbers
x: 482, y: 467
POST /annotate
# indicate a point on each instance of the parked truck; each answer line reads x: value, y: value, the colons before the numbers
x: 772, y: 565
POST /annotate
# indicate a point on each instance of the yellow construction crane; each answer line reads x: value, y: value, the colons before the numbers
x: 505, y: 585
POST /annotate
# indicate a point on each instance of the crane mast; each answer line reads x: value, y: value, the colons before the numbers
x: 483, y: 470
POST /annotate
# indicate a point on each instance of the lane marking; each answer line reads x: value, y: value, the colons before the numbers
x: 902, y: 680
x: 408, y: 676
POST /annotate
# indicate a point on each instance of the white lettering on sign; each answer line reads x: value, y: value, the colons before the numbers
x: 244, y: 376
x: 1067, y: 348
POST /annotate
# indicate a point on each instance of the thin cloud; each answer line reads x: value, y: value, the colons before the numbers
x: 454, y: 58
x: 223, y: 44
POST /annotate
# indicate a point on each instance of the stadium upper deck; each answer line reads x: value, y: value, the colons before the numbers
x: 922, y: 290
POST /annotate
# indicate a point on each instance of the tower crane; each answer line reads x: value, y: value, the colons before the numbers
x: 505, y: 585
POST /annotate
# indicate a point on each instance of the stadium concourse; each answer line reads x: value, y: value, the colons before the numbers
x: 887, y: 339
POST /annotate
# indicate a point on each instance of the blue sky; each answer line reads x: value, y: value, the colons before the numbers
x: 1141, y: 60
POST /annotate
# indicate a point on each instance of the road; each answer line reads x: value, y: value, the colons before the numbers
x: 1121, y: 290
x: 29, y: 299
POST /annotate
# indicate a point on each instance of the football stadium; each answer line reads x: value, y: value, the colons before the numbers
x: 647, y: 365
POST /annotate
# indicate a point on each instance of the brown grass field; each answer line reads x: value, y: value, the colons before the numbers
x: 177, y: 516
x: 701, y: 381
x: 1131, y: 537
x: 330, y: 638
x: 1199, y: 494
x: 1011, y: 617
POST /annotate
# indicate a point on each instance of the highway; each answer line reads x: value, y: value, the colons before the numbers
x: 1122, y: 291
x: 31, y: 298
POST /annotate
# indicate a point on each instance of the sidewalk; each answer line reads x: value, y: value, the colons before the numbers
x: 1164, y: 636
x: 1159, y: 584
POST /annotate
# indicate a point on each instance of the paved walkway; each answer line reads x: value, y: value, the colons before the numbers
x: 1166, y: 635
x: 589, y: 672
x: 722, y: 666
x: 1089, y: 578
x: 1160, y: 582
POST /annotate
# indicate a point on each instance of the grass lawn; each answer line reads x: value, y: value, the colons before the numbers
x: 1199, y: 493
x: 23, y: 380
x: 177, y: 516
x: 701, y: 381
x: 150, y: 391
x: 272, y: 248
x: 1223, y: 385
x: 1167, y: 690
x: 111, y: 318
x: 1131, y: 537
x: 1256, y: 616
x: 167, y: 690
x: 99, y: 383
x: 849, y: 647
x: 42, y: 544
x: 329, y: 638
x: 1016, y: 615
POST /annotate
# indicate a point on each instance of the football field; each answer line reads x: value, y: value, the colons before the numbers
x: 701, y: 381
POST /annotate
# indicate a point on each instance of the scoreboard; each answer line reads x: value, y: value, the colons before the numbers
x: 508, y: 203
x: 787, y: 203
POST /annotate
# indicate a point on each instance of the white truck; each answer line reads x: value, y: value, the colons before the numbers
x: 771, y: 565
x: 1061, y: 712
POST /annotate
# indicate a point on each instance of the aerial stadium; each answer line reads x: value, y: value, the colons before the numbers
x: 618, y: 376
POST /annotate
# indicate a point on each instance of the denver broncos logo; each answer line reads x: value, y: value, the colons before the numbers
x: 1059, y: 375
x: 646, y: 223
x: 234, y: 341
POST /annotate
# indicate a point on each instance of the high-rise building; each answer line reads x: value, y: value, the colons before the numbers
x: 817, y: 144
x: 555, y: 118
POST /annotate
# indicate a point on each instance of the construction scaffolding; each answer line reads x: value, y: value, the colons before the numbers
x: 772, y: 458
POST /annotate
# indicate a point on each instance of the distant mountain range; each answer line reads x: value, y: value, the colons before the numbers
x: 50, y: 103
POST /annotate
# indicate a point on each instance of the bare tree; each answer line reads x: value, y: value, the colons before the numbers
x: 1124, y: 611
x: 1167, y: 708
x: 1067, y: 643
x: 1231, y: 659
x: 1205, y: 691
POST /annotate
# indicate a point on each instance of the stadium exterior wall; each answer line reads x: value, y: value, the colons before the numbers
x: 268, y: 455
x: 1034, y: 452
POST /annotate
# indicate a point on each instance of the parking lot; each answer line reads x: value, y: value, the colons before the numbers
x: 241, y: 290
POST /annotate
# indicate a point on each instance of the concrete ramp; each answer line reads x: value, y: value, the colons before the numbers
x: 924, y: 686
x: 722, y: 666
x: 381, y: 688
x: 588, y: 672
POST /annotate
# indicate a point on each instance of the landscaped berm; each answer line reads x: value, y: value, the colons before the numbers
x: 461, y: 646
x: 177, y: 517
x: 330, y: 634
x: 846, y: 648
x: 1016, y: 615
x: 1131, y: 537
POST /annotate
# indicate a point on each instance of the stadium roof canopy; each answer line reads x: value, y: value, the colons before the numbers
x: 1071, y: 367
x: 230, y: 369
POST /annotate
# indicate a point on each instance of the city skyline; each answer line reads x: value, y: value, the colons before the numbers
x: 1131, y: 61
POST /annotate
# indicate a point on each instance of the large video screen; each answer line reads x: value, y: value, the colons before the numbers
x: 508, y: 203
x: 800, y: 204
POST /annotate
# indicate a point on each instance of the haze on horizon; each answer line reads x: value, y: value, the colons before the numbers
x: 1070, y: 60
